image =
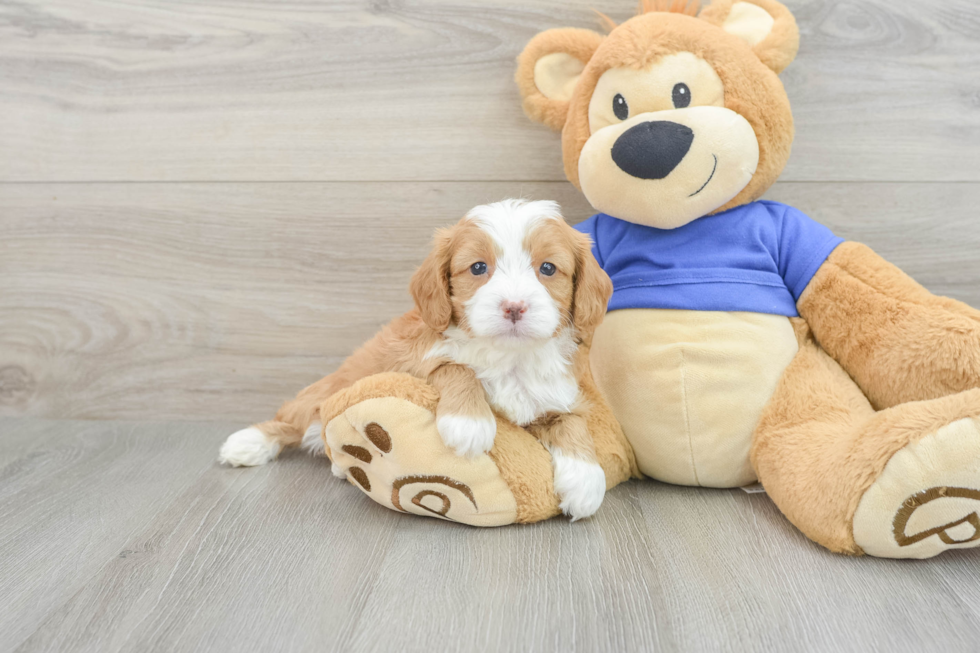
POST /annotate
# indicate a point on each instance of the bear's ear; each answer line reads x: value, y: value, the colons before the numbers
x: 548, y: 70
x: 766, y: 25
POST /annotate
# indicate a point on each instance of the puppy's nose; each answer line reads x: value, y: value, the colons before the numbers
x: 651, y: 150
x: 513, y: 311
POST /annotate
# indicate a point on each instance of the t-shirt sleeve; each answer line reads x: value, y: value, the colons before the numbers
x: 590, y: 227
x: 803, y: 247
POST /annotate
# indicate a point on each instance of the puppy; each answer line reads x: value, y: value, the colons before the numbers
x: 503, y: 302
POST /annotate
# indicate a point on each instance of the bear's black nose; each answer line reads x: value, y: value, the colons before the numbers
x: 651, y: 150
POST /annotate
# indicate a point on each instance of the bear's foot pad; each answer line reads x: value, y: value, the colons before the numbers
x: 927, y: 499
x: 390, y: 449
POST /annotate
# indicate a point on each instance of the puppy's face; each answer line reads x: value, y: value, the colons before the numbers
x: 513, y: 271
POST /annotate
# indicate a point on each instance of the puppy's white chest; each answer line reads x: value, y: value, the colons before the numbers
x: 523, y: 395
x: 521, y: 385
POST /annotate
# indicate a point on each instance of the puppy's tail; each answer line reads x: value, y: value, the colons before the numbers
x: 261, y: 443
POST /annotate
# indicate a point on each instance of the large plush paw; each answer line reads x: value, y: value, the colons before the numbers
x: 927, y: 499
x: 581, y: 485
x: 467, y: 436
x: 248, y: 448
x: 392, y: 450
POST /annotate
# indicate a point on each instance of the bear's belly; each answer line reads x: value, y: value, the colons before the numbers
x: 688, y: 387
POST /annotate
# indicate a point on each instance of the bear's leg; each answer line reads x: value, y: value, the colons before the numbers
x: 897, y: 340
x: 381, y: 435
x: 903, y: 482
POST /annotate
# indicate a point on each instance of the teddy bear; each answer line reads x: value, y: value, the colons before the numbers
x: 744, y: 342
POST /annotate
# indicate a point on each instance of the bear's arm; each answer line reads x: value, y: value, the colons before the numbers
x: 897, y: 340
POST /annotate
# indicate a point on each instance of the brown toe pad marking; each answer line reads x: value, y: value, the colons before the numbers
x: 921, y: 498
x: 378, y: 437
x: 360, y: 476
x: 360, y: 453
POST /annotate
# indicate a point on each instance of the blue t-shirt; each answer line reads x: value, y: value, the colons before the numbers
x: 758, y: 257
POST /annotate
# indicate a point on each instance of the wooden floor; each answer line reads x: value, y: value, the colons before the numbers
x: 206, y: 204
x: 123, y: 536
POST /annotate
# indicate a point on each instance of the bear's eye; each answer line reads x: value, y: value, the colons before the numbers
x: 620, y: 108
x: 478, y: 268
x: 682, y: 96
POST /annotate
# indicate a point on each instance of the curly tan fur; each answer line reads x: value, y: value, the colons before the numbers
x: 898, y: 341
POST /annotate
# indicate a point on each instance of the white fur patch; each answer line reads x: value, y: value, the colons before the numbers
x: 581, y: 485
x: 523, y: 381
x: 337, y: 470
x: 514, y: 278
x: 313, y: 440
x: 248, y: 448
x: 467, y: 436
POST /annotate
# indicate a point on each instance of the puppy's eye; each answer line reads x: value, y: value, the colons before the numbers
x: 681, y: 96
x: 620, y: 108
x: 478, y: 268
x: 548, y: 269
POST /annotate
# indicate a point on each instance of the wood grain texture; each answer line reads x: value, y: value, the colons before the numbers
x: 72, y: 497
x: 102, y: 90
x: 202, y: 300
x: 220, y: 301
x: 193, y: 301
x: 288, y: 558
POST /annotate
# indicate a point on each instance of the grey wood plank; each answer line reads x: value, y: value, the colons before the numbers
x: 286, y: 558
x: 73, y: 499
x: 775, y: 590
x: 270, y: 559
x: 17, y: 441
x: 183, y: 285
x: 219, y: 301
x: 359, y: 90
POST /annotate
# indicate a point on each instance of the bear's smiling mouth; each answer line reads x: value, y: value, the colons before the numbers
x: 710, y: 177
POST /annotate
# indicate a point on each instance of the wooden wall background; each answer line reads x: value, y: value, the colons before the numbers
x: 206, y: 204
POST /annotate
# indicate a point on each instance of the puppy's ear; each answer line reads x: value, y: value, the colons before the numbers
x: 548, y: 69
x: 766, y: 25
x: 430, y: 284
x: 593, y: 288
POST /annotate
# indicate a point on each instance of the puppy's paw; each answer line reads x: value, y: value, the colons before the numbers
x: 467, y: 436
x: 580, y: 484
x: 248, y: 448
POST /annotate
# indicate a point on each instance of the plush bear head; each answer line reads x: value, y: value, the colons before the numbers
x: 672, y: 115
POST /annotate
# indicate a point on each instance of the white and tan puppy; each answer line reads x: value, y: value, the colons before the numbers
x: 503, y: 302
